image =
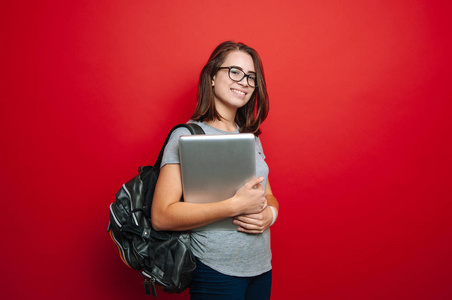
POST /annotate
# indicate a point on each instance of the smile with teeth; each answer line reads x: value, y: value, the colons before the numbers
x: 238, y: 92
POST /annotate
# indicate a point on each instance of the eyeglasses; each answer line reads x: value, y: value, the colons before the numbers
x: 235, y: 74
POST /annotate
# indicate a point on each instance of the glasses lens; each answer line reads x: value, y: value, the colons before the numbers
x: 252, y: 80
x: 236, y: 74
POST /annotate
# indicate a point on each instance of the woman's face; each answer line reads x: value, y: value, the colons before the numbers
x: 230, y: 94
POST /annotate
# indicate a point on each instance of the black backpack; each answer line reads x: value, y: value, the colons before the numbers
x: 163, y: 257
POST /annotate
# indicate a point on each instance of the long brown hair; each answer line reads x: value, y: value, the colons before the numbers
x: 251, y: 115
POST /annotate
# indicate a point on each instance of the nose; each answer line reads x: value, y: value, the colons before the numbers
x: 243, y: 81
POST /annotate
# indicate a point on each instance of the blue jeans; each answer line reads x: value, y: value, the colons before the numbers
x: 209, y: 284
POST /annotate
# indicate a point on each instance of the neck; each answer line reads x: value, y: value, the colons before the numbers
x: 223, y: 124
x: 227, y: 122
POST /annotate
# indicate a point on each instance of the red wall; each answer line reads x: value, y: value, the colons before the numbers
x: 358, y: 137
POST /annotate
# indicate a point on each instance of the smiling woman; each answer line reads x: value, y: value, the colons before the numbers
x: 231, y: 94
x: 231, y: 264
x: 215, y: 87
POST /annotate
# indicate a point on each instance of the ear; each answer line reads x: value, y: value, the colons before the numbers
x: 213, y: 81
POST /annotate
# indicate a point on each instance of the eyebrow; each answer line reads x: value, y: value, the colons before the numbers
x: 242, y: 69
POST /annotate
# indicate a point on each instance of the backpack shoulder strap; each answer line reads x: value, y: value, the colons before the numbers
x: 192, y: 127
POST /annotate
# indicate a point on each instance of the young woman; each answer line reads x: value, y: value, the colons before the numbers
x: 232, y: 98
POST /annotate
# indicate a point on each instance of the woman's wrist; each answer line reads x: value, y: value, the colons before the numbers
x: 274, y: 214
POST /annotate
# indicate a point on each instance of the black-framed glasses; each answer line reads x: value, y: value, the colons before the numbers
x: 237, y: 75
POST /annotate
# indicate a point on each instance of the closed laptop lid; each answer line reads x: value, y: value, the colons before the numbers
x: 214, y: 167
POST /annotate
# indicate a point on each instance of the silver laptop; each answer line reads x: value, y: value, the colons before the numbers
x: 214, y: 167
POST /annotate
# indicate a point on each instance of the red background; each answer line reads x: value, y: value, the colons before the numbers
x: 358, y: 137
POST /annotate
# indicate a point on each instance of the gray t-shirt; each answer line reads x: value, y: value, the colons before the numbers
x: 229, y: 252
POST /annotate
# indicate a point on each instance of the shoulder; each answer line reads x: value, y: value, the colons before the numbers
x: 177, y: 133
x: 171, y: 152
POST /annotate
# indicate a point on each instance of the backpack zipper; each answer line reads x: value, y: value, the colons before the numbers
x: 149, y: 287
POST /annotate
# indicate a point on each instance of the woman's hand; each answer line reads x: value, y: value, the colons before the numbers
x: 254, y: 223
x: 250, y: 198
x: 259, y: 222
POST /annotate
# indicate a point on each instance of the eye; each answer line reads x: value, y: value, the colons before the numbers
x: 235, y: 71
